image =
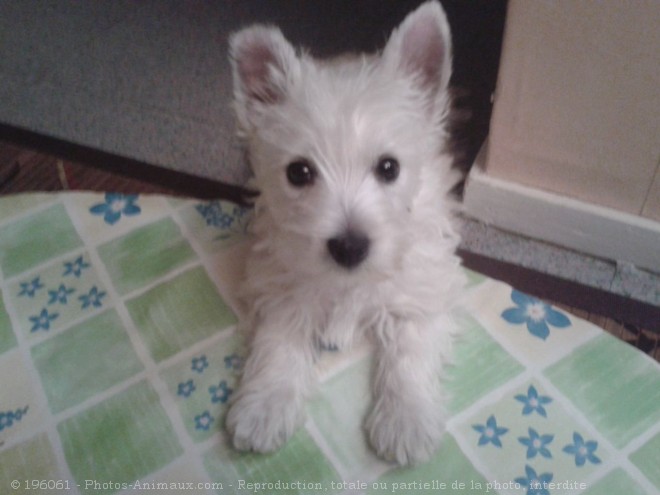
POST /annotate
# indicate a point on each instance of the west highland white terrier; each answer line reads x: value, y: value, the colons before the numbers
x: 353, y: 229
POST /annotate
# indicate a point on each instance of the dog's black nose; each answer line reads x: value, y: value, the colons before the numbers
x: 349, y: 249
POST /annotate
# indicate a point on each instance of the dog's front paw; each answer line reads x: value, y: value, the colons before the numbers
x: 263, y: 422
x: 405, y: 435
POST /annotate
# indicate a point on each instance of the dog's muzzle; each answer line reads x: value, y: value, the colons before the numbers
x: 349, y: 249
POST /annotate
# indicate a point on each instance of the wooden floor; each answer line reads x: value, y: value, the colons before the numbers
x: 23, y: 169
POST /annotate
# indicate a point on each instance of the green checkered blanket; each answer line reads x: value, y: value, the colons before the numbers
x: 118, y: 354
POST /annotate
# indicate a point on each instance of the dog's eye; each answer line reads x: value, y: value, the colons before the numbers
x: 300, y: 173
x: 387, y: 169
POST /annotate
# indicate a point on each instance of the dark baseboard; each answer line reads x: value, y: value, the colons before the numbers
x: 185, y: 184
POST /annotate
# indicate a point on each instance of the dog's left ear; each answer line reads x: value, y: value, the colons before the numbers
x: 264, y: 64
x: 421, y: 48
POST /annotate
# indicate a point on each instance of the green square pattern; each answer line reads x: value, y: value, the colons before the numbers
x: 299, y: 454
x: 647, y: 459
x: 114, y: 420
x: 33, y: 240
x: 202, y: 386
x: 145, y: 254
x: 449, y: 466
x: 119, y: 440
x: 18, y: 203
x: 85, y: 360
x: 7, y: 337
x: 57, y: 295
x: 479, y: 365
x: 341, y: 421
x: 603, y: 378
x: 175, y: 314
x: 31, y: 460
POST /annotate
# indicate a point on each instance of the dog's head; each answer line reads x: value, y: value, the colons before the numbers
x: 347, y: 153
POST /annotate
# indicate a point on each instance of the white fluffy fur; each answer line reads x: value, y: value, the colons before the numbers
x: 341, y: 116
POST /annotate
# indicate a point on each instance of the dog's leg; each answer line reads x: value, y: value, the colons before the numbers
x: 407, y: 419
x: 278, y: 374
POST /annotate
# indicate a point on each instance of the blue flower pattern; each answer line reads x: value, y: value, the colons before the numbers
x: 533, y: 402
x: 233, y: 362
x: 535, y: 484
x: 185, y: 389
x: 490, y: 432
x: 29, y: 289
x: 226, y: 217
x: 215, y: 215
x: 10, y: 418
x: 203, y: 421
x: 583, y: 451
x: 75, y: 268
x: 199, y: 364
x: 536, y: 314
x: 61, y: 295
x: 92, y: 299
x: 43, y: 320
x: 115, y: 206
x: 57, y: 294
x: 218, y: 394
x: 537, y: 444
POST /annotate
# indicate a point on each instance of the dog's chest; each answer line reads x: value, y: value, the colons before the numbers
x: 344, y: 320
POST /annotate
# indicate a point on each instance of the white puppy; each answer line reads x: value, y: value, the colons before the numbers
x: 353, y: 229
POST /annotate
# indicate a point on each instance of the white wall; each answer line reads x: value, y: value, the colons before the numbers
x: 577, y: 115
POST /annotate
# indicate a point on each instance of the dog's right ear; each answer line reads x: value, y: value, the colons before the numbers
x: 263, y: 65
x: 421, y: 48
